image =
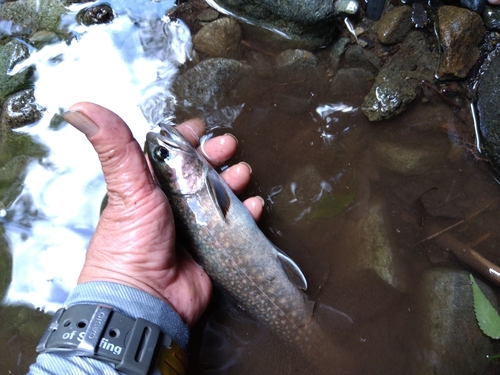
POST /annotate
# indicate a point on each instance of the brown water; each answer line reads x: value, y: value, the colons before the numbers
x: 384, y: 337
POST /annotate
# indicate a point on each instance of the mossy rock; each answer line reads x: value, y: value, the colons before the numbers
x: 45, y: 16
x: 10, y: 54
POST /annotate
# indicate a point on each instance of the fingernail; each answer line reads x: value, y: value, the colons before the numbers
x: 261, y: 200
x: 233, y: 136
x: 248, y: 165
x: 81, y: 122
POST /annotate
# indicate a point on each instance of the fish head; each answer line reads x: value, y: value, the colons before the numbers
x: 178, y: 167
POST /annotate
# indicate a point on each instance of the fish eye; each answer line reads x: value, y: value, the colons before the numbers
x: 161, y: 153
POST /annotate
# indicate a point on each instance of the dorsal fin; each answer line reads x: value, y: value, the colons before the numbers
x: 218, y: 193
x: 293, y: 271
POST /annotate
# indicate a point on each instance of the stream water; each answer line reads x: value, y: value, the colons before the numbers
x: 298, y: 159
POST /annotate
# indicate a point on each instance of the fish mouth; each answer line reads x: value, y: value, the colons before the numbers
x: 168, y: 136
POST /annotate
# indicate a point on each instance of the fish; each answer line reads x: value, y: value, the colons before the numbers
x: 225, y: 240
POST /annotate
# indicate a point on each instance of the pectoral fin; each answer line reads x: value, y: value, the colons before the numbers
x: 218, y: 193
x: 293, y: 271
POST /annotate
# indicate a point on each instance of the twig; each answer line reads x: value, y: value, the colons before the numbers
x: 457, y: 223
x: 469, y: 256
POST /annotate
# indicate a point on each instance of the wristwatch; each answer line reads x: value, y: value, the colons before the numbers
x: 135, y: 346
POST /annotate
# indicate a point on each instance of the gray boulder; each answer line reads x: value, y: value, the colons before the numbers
x: 289, y: 24
x: 451, y: 341
x: 489, y: 112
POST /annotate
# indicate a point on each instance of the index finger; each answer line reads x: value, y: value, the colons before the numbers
x: 216, y: 150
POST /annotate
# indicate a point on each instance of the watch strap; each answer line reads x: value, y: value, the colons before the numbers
x: 135, y: 346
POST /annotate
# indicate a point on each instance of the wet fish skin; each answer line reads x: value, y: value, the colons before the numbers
x: 228, y: 244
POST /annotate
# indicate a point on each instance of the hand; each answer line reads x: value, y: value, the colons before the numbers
x: 134, y: 242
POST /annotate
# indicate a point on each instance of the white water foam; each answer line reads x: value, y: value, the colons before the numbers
x: 50, y: 224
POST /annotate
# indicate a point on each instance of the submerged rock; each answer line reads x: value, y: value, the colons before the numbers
x: 296, y: 24
x: 295, y: 65
x: 375, y: 248
x: 398, y: 81
x: 488, y: 105
x: 461, y: 31
x: 406, y: 160
x: 351, y: 81
x: 210, y: 82
x: 220, y: 38
x: 451, y: 342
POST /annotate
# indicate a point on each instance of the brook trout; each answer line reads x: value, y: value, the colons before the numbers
x: 227, y: 243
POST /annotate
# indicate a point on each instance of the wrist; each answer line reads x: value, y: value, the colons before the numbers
x: 90, y: 274
x: 134, y: 303
x: 133, y: 346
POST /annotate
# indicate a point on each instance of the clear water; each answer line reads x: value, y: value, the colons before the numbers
x: 298, y: 159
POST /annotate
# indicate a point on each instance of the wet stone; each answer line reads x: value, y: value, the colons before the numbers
x: 447, y: 321
x: 419, y: 16
x: 474, y: 5
x: 338, y: 48
x: 374, y: 9
x: 488, y: 105
x: 220, y: 38
x: 10, y: 54
x: 347, y: 6
x: 95, y: 15
x: 398, y: 81
x: 394, y: 25
x: 307, y: 24
x: 20, y: 109
x: 461, y: 31
x: 491, y: 17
